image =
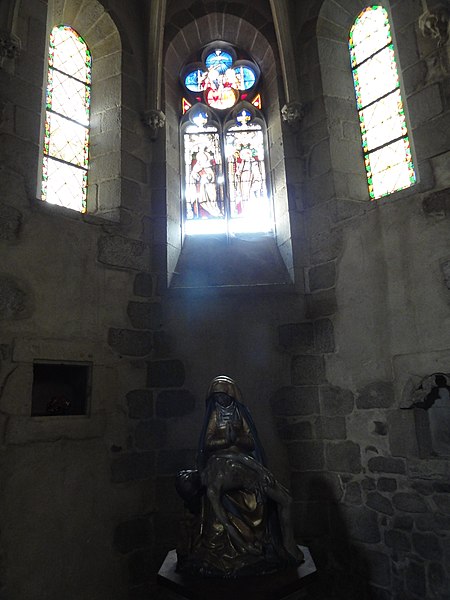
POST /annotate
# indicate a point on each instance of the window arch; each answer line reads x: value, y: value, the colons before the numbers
x: 66, y: 136
x: 386, y: 145
x: 225, y: 185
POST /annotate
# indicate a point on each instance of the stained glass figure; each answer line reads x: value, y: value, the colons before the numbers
x: 66, y: 136
x: 246, y: 177
x: 386, y: 146
x: 203, y: 174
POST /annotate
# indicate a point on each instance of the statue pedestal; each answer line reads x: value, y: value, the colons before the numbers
x: 275, y: 586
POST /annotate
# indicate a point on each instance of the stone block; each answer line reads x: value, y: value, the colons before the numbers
x: 296, y: 337
x: 445, y: 268
x: 324, y: 336
x: 424, y: 488
x: 143, y: 285
x: 131, y: 535
x: 386, y: 484
x: 10, y: 221
x: 437, y: 580
x: 165, y: 373
x: 140, y: 404
x: 361, y: 524
x: 379, y: 503
x: 150, y: 434
x: 173, y: 460
x: 425, y: 104
x: 442, y: 502
x: 379, y: 394
x: 133, y: 466
x: 331, y: 428
x: 379, y: 568
x: 145, y: 315
x: 343, y: 457
x: 404, y: 522
x: 336, y: 401
x: 299, y: 430
x: 415, y: 579
x: 307, y: 370
x: 383, y: 464
x: 402, y: 433
x: 174, y: 403
x: 409, y: 502
x: 123, y: 253
x: 368, y: 484
x: 437, y: 203
x: 163, y: 344
x: 431, y: 137
x: 322, y: 276
x: 353, y: 493
x: 433, y: 522
x: 15, y: 300
x: 427, y: 546
x: 397, y: 540
x: 321, y: 304
x: 128, y: 342
x: 326, y: 245
x: 314, y: 487
x: 295, y: 401
x: 306, y: 456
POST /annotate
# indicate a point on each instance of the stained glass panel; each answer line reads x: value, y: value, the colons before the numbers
x: 246, y: 175
x: 386, y: 147
x: 203, y: 174
x: 63, y: 184
x: 66, y: 138
x: 246, y: 77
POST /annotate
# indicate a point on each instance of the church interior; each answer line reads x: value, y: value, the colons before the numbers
x: 194, y: 188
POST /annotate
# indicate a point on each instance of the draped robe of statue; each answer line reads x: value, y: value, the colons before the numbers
x: 239, y: 515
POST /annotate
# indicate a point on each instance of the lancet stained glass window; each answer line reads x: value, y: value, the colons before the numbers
x: 66, y: 135
x: 386, y: 145
x: 224, y: 146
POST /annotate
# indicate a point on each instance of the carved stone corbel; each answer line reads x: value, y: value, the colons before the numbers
x: 292, y: 113
x: 155, y: 120
x: 10, y: 46
x: 434, y: 25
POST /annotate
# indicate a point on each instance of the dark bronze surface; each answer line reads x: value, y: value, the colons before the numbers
x: 274, y: 586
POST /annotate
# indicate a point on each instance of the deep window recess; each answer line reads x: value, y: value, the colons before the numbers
x: 225, y: 183
x: 66, y: 135
x: 386, y: 145
x: 60, y: 389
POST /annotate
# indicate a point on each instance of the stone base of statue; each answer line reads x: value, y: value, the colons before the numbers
x: 280, y: 585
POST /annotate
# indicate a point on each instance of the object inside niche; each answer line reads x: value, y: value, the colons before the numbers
x: 238, y: 520
x: 60, y: 389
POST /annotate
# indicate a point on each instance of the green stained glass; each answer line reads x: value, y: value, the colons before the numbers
x: 385, y: 142
x: 66, y: 136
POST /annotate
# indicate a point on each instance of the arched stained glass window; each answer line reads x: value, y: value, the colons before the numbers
x: 386, y: 146
x: 224, y: 144
x: 66, y: 136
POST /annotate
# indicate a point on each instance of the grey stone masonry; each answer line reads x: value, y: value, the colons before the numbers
x: 297, y: 337
x: 140, y: 404
x: 324, y: 336
x: 437, y: 203
x: 171, y: 461
x: 133, y: 466
x: 379, y: 503
x: 307, y: 370
x: 145, y: 315
x: 379, y: 394
x: 10, y: 221
x: 292, y: 401
x: 408, y: 502
x: 130, y: 342
x: 344, y: 457
x: 336, y: 401
x: 321, y: 304
x: 132, y: 534
x: 143, y: 285
x: 150, y: 434
x: 322, y: 277
x: 125, y: 253
x: 382, y: 464
x: 15, y: 302
x: 174, y: 403
x: 362, y: 524
x: 165, y: 373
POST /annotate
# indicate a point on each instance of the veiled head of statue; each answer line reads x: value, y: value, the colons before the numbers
x: 225, y: 385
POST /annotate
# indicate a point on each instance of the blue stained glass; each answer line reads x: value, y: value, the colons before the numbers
x: 193, y: 80
x: 219, y: 60
x: 246, y: 77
